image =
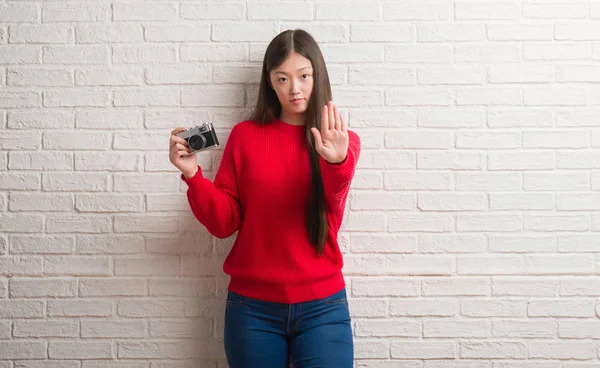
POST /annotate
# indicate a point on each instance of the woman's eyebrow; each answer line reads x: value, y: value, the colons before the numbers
x: 280, y: 72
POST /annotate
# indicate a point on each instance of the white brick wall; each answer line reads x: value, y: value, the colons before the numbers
x: 472, y: 237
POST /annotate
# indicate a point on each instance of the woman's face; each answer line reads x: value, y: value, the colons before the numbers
x: 293, y: 84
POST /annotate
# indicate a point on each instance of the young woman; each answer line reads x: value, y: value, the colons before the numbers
x: 282, y: 184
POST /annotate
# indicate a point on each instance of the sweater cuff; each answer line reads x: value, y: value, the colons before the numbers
x: 197, y: 176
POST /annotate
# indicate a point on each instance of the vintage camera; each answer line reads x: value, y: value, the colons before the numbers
x: 200, y: 137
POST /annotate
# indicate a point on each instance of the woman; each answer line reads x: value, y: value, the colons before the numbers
x: 282, y: 185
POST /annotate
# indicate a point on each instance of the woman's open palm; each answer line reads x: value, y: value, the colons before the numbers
x: 331, y: 142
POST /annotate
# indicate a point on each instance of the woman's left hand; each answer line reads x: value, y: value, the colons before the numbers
x: 332, y: 141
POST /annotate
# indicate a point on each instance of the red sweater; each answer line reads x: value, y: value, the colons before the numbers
x: 261, y: 190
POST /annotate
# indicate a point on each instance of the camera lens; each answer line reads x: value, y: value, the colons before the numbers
x: 197, y: 142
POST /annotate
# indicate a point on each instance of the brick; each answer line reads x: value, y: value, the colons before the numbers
x: 146, y: 97
x: 520, y: 32
x: 521, y: 201
x: 244, y: 31
x: 72, y: 12
x: 19, y: 140
x: 490, y: 10
x: 478, y: 308
x: 525, y: 329
x: 521, y: 160
x: 113, y: 286
x: 21, y: 223
x: 353, y: 53
x: 80, y: 350
x: 55, y: 244
x: 155, y: 11
x: 424, y: 350
x: 489, y: 96
x: 113, y: 329
x: 79, y: 308
x: 18, y: 308
x: 285, y: 10
x: 222, y: 96
x: 19, y: 12
x: 449, y: 160
x: 77, y: 224
x: 226, y: 11
x: 451, y: 32
x: 104, y: 202
x: 456, y: 329
x: 179, y: 74
x: 418, y: 96
x: 431, y: 54
x: 77, y: 98
x: 39, y: 77
x: 412, y: 180
x: 523, y: 286
x: 109, y: 244
x: 450, y: 243
x: 78, y: 54
x: 153, y: 182
x: 45, y: 329
x: 556, y: 51
x: 20, y: 54
x: 40, y: 119
x: 109, y: 76
x: 414, y: 10
x: 455, y: 286
x: 150, y: 308
x: 45, y: 34
x: 493, y: 350
x: 137, y: 54
x: 487, y: 53
x: 212, y: 52
x: 387, y: 328
x: 582, y: 31
x: 40, y: 202
x: 78, y: 140
x: 19, y: 181
x: 14, y: 99
x: 151, y: 265
x: 114, y: 33
x: 153, y: 224
x: 555, y: 11
x: 347, y: 11
x: 442, y: 117
x: 573, y: 222
x: 23, y: 349
x: 182, y: 33
x: 562, y: 350
x: 559, y: 265
x: 109, y: 119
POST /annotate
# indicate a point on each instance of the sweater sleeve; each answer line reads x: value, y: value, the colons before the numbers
x: 338, y: 177
x: 217, y: 205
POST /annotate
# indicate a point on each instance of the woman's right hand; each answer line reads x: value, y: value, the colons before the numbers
x: 179, y: 154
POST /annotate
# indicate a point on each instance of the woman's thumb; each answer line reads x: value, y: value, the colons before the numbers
x: 318, y: 141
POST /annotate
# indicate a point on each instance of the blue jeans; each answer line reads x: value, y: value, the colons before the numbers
x: 312, y: 334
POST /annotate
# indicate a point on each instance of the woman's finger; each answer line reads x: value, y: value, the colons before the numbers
x: 344, y: 126
x: 324, y: 119
x: 338, y: 123
x: 331, y: 115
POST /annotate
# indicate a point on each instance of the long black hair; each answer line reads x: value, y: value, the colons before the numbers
x: 268, y: 108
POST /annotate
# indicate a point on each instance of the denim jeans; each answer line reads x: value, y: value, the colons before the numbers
x: 311, y: 334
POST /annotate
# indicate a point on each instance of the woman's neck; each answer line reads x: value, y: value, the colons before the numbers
x: 292, y: 119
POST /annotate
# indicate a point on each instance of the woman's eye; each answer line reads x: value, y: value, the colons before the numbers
x: 305, y: 76
x: 281, y: 79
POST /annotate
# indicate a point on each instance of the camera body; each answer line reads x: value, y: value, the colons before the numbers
x: 200, y: 137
